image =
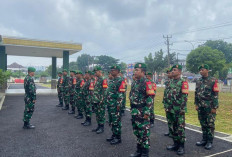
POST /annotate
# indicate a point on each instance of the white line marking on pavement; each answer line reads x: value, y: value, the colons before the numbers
x: 221, y: 138
x: 219, y: 153
x: 1, y: 103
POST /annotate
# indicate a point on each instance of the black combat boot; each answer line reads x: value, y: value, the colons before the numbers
x: 66, y: 107
x: 59, y: 105
x: 28, y: 126
x: 166, y: 134
x: 151, y: 123
x: 116, y: 140
x: 80, y: 116
x: 138, y: 151
x: 180, y: 150
x: 101, y: 129
x: 145, y: 152
x: 201, y: 143
x: 72, y: 111
x: 174, y: 147
x: 110, y: 138
x: 87, y: 122
x: 94, y: 130
x: 209, y: 145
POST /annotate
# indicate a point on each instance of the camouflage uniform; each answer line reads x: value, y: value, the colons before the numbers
x: 66, y: 85
x: 175, y: 106
x: 60, y: 90
x: 141, y: 104
x: 124, y: 97
x: 206, y: 98
x: 72, y: 92
x: 98, y: 95
x: 152, y: 117
x: 165, y: 99
x: 29, y: 98
x: 79, y: 99
x: 87, y: 94
x: 114, y: 102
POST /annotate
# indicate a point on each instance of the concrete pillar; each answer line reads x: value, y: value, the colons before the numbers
x: 53, y: 81
x: 3, y: 58
x: 66, y: 60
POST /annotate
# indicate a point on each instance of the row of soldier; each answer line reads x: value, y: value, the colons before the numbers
x: 92, y: 90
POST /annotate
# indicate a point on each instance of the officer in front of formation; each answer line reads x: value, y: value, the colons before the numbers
x: 177, y: 97
x: 141, y: 103
x: 206, y: 101
x: 60, y: 89
x: 29, y: 98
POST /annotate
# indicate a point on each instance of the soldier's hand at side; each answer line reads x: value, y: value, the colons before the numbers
x: 196, y: 108
x: 213, y: 111
x: 145, y: 116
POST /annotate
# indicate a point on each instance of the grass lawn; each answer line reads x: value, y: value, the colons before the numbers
x: 224, y: 113
x: 45, y: 85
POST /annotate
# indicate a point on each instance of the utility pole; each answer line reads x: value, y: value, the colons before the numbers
x: 168, y: 44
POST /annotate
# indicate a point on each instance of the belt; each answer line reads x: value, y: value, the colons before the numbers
x: 138, y: 105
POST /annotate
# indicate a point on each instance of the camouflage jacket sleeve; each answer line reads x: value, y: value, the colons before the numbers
x: 196, y: 101
x: 215, y: 104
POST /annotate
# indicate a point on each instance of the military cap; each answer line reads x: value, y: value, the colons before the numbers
x: 31, y: 69
x: 148, y: 73
x: 205, y: 66
x: 89, y: 72
x: 79, y: 72
x: 73, y: 71
x: 115, y: 67
x: 65, y: 70
x: 177, y: 66
x: 140, y: 65
x: 97, y: 68
x: 59, y: 72
x: 168, y: 70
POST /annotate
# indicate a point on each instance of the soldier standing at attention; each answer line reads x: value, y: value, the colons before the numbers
x: 72, y: 91
x: 79, y: 94
x: 93, y: 82
x: 60, y: 89
x: 98, y: 97
x: 87, y: 96
x: 124, y: 95
x: 165, y: 99
x: 66, y: 86
x: 141, y: 102
x: 206, y: 101
x: 29, y: 98
x: 152, y: 118
x: 110, y: 81
x: 115, y: 98
x: 176, y: 105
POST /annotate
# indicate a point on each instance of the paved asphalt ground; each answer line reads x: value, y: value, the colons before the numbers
x: 58, y: 134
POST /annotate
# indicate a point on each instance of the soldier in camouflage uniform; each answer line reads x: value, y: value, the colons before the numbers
x: 60, y: 89
x: 87, y: 96
x: 72, y: 91
x: 206, y: 101
x: 29, y: 98
x: 98, y: 97
x: 110, y: 80
x: 166, y: 90
x: 175, y: 109
x: 93, y: 80
x: 66, y: 86
x: 114, y: 103
x: 152, y: 118
x: 79, y: 94
x: 124, y: 95
x: 141, y: 103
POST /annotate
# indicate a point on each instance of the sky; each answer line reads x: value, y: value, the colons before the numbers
x: 125, y: 29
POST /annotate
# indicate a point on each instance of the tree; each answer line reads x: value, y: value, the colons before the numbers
x: 4, y: 75
x: 224, y: 47
x: 206, y: 55
x: 83, y: 62
x: 73, y: 66
x: 106, y: 62
x: 123, y: 67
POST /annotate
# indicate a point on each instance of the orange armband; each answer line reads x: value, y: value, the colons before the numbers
x: 149, y: 88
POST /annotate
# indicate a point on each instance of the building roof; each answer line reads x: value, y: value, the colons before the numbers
x: 38, y: 48
x: 15, y: 65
